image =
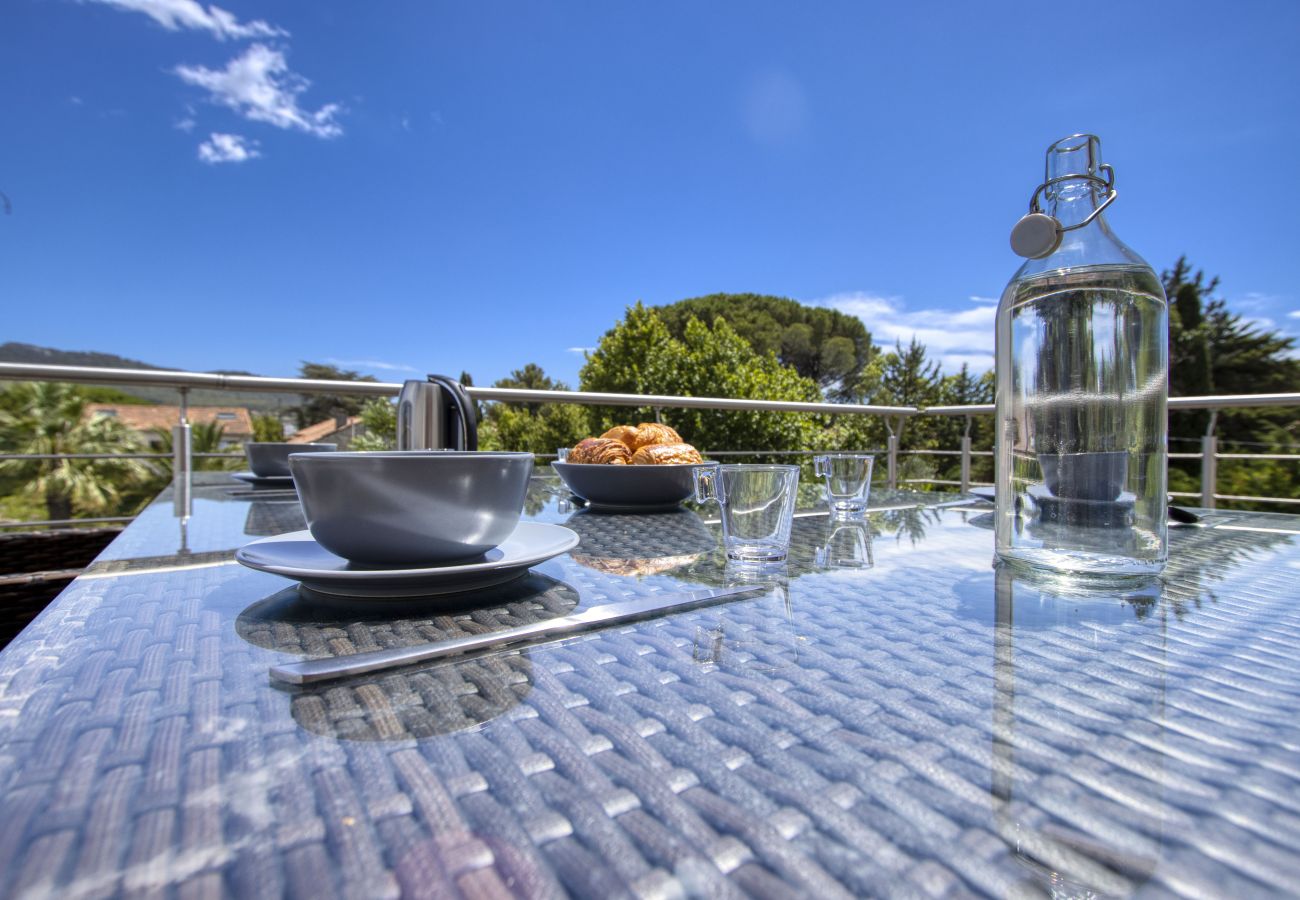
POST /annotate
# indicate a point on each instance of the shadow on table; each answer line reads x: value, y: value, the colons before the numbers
x: 414, y: 701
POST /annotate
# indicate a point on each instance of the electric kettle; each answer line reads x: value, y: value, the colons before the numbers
x: 436, y: 414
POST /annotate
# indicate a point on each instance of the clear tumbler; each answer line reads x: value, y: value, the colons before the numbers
x: 757, y: 508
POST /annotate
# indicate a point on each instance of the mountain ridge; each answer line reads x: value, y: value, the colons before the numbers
x: 258, y: 401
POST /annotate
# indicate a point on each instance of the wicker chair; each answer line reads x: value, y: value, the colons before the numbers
x: 36, y: 565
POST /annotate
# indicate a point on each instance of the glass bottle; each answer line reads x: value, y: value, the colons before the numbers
x: 1082, y: 385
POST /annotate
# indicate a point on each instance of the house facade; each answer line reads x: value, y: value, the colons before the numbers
x: 148, y: 421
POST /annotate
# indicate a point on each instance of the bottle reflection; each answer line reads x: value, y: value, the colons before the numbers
x: 847, y: 545
x: 1079, y: 701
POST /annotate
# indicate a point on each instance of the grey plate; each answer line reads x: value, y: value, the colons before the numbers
x: 629, y: 488
x: 278, y: 480
x: 297, y: 556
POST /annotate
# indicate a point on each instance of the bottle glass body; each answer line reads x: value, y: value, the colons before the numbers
x: 1082, y: 385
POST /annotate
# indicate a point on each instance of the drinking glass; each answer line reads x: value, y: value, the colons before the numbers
x: 757, y: 635
x: 848, y: 481
x: 757, y: 509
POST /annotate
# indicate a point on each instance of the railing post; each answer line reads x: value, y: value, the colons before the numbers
x: 1209, y: 469
x: 965, y: 463
x: 182, y: 459
x: 1209, y: 462
x: 182, y: 440
x: 892, y: 461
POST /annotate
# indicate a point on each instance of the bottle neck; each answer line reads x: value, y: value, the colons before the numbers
x: 1070, y: 202
x: 1074, y: 199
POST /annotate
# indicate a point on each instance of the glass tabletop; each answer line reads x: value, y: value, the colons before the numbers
x: 889, y: 715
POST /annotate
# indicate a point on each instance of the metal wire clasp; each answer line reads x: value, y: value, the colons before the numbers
x: 1037, y: 234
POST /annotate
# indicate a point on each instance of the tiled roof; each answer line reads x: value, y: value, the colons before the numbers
x: 321, y: 430
x: 236, y: 420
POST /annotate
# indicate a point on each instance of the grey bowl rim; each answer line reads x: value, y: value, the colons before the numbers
x: 416, y: 454
x: 290, y: 444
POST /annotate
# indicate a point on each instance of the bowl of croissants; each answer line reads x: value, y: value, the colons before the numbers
x: 632, y: 467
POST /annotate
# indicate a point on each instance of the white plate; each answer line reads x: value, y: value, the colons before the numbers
x: 296, y: 555
x: 286, y: 480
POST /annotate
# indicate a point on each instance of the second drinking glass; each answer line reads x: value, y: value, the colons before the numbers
x: 848, y: 481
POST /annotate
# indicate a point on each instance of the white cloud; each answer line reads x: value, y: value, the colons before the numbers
x: 580, y: 350
x: 186, y: 124
x: 373, y: 364
x: 976, y: 298
x: 952, y: 337
x: 1254, y: 301
x: 1294, y: 314
x: 225, y: 148
x: 175, y: 15
x: 259, y: 86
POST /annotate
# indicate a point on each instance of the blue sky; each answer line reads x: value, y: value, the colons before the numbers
x: 420, y: 186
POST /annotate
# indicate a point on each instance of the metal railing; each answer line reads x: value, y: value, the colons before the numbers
x: 895, y: 417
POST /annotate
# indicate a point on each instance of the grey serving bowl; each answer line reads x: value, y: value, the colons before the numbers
x: 411, y: 508
x: 633, y: 488
x: 270, y: 459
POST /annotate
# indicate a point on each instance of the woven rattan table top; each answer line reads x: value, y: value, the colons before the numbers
x: 893, y: 717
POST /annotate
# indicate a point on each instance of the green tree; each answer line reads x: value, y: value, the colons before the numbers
x: 640, y: 356
x: 825, y: 345
x: 965, y: 389
x: 268, y: 428
x: 319, y: 407
x: 379, y: 416
x: 50, y: 419
x: 1214, y: 351
x: 534, y: 427
x: 531, y: 377
x: 904, y: 376
x: 908, y: 377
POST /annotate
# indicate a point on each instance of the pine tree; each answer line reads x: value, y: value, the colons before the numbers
x: 1213, y: 351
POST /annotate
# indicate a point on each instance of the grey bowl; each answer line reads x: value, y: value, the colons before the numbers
x: 1085, y: 476
x: 270, y: 459
x: 411, y: 507
x: 629, y: 487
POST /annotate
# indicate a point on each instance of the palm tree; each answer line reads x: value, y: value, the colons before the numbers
x: 205, y: 437
x: 49, y: 419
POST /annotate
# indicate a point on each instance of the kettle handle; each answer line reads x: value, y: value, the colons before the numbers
x: 460, y: 399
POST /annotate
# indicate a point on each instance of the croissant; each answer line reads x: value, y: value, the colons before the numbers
x: 624, y: 433
x: 601, y: 451
x: 666, y: 455
x: 654, y: 433
x: 650, y: 566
